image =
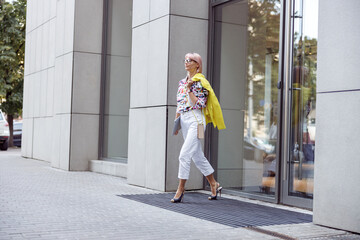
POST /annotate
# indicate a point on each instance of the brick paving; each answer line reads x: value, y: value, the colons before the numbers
x: 41, y: 202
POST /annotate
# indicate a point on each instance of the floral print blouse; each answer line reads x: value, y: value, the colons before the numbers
x: 182, y: 97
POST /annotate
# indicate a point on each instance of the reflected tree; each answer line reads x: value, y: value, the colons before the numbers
x: 263, y: 52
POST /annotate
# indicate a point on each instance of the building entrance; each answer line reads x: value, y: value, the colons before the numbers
x: 259, y: 49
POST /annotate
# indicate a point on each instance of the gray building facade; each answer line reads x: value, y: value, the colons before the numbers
x: 101, y: 79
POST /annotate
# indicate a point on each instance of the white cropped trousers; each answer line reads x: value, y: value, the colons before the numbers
x: 191, y: 148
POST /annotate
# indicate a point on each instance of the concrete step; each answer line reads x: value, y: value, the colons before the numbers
x: 108, y: 167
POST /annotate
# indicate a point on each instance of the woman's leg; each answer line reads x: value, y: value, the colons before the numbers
x: 181, y: 188
x: 184, y: 157
x: 201, y: 161
x: 188, y: 149
x: 213, y: 184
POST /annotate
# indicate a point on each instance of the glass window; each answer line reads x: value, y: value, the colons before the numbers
x: 245, y: 72
x: 117, y: 82
x: 303, y: 92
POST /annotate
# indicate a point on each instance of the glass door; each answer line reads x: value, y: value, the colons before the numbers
x: 300, y: 133
x: 258, y: 46
x: 245, y: 73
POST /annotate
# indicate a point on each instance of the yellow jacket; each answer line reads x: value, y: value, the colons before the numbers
x: 212, y: 111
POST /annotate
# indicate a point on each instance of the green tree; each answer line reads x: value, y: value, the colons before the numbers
x: 12, y: 51
x: 263, y: 41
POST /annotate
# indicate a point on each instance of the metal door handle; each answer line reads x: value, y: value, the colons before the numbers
x: 301, y: 158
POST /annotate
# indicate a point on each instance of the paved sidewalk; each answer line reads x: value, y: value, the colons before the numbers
x: 40, y: 202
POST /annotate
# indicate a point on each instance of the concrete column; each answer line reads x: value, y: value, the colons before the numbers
x: 337, y: 165
x: 163, y: 32
x: 38, y: 106
x: 86, y: 83
x: 77, y: 85
x: 62, y: 82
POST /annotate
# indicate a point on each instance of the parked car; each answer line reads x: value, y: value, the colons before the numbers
x: 4, y: 132
x: 17, y: 132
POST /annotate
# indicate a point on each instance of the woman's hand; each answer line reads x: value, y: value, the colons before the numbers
x: 176, y: 116
x: 189, y: 84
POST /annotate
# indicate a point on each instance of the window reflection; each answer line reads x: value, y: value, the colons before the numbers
x: 303, y: 116
x: 246, y: 68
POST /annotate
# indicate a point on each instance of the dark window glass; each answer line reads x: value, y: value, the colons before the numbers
x: 117, y: 83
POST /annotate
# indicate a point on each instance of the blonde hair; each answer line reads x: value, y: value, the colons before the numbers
x: 197, y: 58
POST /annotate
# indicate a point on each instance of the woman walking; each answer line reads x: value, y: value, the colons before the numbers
x: 197, y: 105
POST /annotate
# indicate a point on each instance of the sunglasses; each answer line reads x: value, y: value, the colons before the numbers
x: 188, y: 61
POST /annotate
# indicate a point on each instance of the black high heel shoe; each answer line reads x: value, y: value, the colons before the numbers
x: 177, y: 200
x: 218, y: 190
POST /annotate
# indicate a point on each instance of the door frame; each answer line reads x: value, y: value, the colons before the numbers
x: 286, y: 102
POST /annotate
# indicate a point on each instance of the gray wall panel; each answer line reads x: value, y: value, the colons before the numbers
x: 336, y: 190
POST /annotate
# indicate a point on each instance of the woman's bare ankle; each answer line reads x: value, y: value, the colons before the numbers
x: 214, y: 187
x: 179, y: 191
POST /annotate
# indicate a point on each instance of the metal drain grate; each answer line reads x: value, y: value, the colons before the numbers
x: 224, y: 211
x: 271, y: 233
